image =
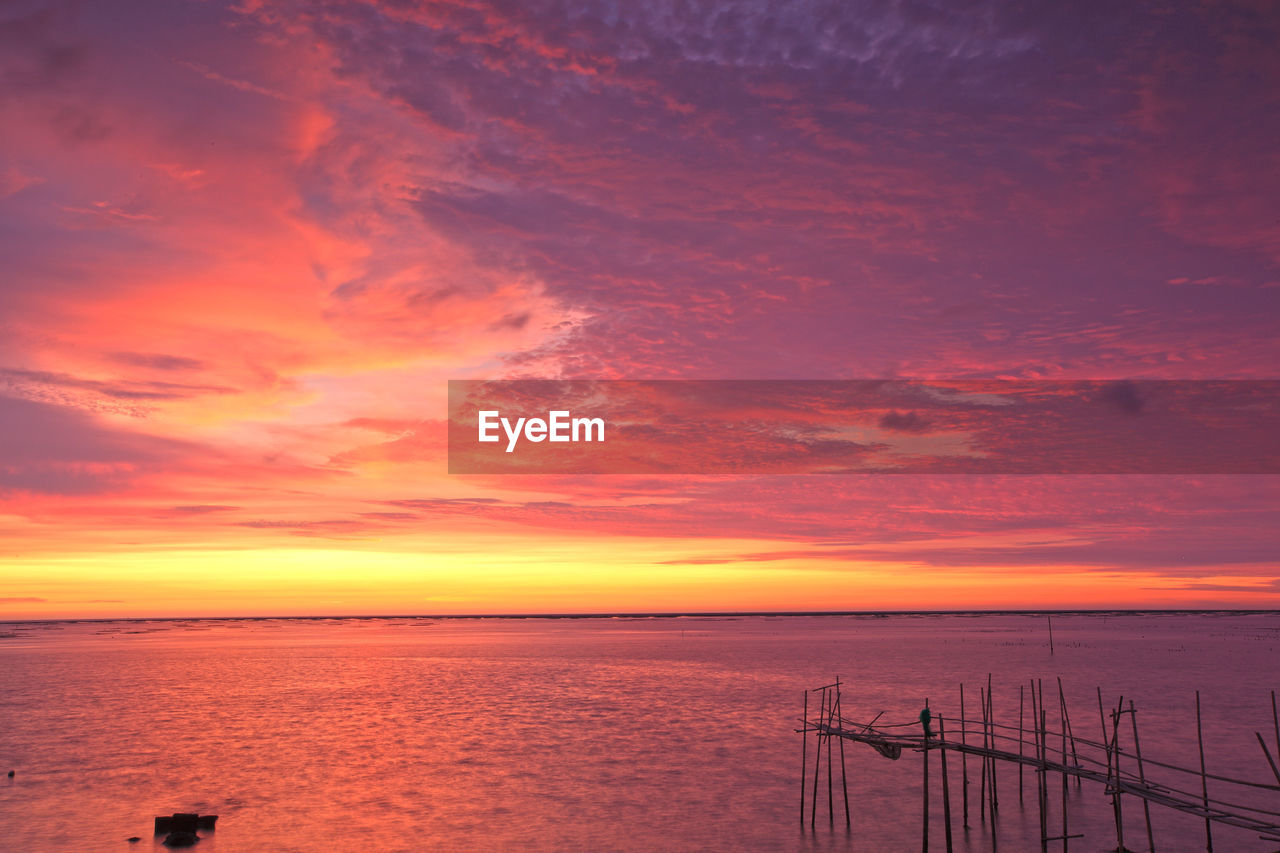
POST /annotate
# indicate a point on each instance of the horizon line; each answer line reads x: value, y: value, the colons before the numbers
x: 674, y: 614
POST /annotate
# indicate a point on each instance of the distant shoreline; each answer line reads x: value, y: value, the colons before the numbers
x: 715, y: 614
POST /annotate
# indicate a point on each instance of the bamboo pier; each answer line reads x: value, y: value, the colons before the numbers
x: 1114, y: 762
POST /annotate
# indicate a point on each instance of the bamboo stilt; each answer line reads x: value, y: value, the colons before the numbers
x: 1142, y: 777
x: 804, y: 753
x: 1042, y: 792
x: 1275, y: 771
x: 1020, y: 706
x: 844, y: 779
x: 1066, y: 835
x: 964, y: 758
x: 1275, y: 719
x: 1115, y: 785
x: 831, y: 802
x: 1106, y: 739
x: 982, y: 782
x: 1204, y: 779
x: 946, y: 784
x: 924, y: 839
x: 991, y: 724
x: 817, y: 764
x: 1071, y: 736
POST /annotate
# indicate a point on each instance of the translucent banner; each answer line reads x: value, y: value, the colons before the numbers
x: 864, y: 426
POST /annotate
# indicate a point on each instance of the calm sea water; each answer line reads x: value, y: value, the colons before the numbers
x: 601, y: 734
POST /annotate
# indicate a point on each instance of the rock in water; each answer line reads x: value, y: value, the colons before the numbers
x: 184, y: 822
x: 180, y: 839
x: 134, y: 839
x: 11, y: 772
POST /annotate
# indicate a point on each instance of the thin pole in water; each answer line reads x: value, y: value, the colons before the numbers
x: 1066, y: 835
x: 1115, y: 787
x: 1042, y: 790
x: 1071, y: 735
x: 1050, y: 618
x: 1044, y: 753
x: 991, y: 724
x: 924, y: 840
x: 831, y: 802
x: 817, y: 764
x: 964, y: 758
x: 1275, y: 771
x: 1275, y: 719
x: 946, y: 787
x: 804, y: 753
x: 1142, y: 777
x: 1021, y: 690
x: 844, y: 780
x: 1204, y: 780
x: 982, y: 782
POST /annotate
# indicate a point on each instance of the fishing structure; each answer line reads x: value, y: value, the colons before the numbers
x: 1114, y: 761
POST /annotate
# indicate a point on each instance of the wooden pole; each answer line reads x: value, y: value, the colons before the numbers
x: 964, y: 758
x: 1035, y: 725
x: 1275, y: 771
x: 817, y: 765
x: 1275, y: 719
x: 831, y: 801
x: 804, y: 753
x: 1142, y: 777
x: 1204, y: 780
x: 1115, y: 787
x: 1041, y: 788
x: 1044, y: 758
x: 1020, y: 706
x: 991, y: 722
x: 1102, y: 719
x: 844, y: 780
x: 1050, y: 618
x: 1071, y: 735
x: 982, y: 782
x: 1106, y: 740
x: 946, y: 785
x: 1065, y: 834
x: 924, y: 839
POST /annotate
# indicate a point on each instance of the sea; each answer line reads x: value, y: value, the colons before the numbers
x: 614, y: 733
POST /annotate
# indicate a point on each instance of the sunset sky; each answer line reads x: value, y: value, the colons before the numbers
x: 244, y: 247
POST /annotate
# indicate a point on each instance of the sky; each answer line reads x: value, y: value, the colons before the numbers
x: 244, y: 247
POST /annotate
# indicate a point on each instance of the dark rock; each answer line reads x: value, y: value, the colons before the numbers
x: 134, y: 839
x: 11, y: 772
x: 180, y: 839
x: 184, y: 822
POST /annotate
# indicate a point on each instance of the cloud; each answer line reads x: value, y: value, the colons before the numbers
x: 1124, y: 396
x: 46, y: 383
x: 905, y: 422
x: 157, y: 361
x: 242, y: 85
x: 59, y: 450
x: 201, y: 509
